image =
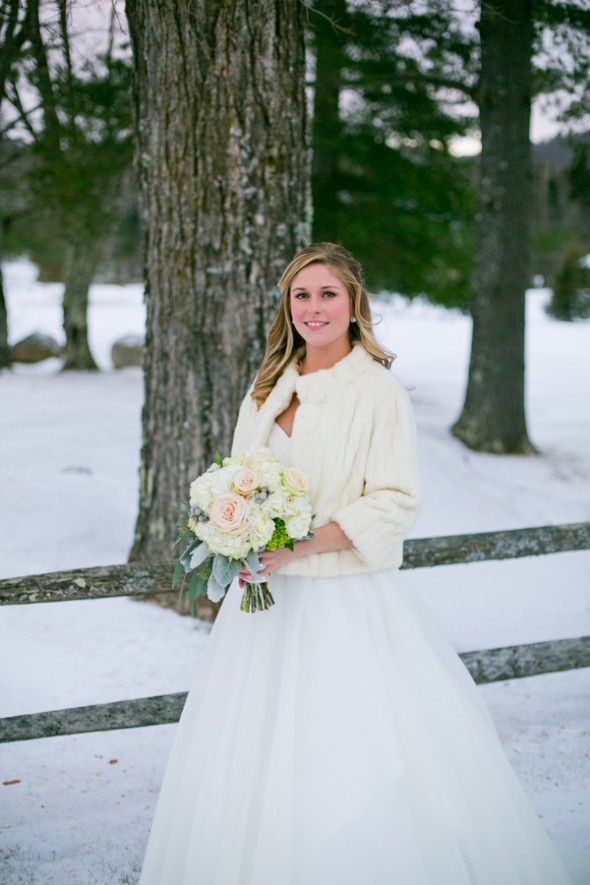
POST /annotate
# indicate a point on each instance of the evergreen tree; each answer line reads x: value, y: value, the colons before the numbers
x: 384, y: 181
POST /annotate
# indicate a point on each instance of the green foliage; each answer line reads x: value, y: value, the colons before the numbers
x: 547, y: 246
x: 384, y: 182
x: 407, y: 215
x: 280, y: 536
x: 394, y: 83
x: 579, y: 175
x: 571, y: 286
x: 77, y: 170
x: 562, y: 58
x: 225, y: 570
x: 197, y: 579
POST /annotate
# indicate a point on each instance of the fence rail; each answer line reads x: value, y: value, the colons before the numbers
x: 490, y: 665
x: 144, y: 579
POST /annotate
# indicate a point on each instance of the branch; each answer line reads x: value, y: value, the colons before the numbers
x: 71, y: 104
x: 44, y: 84
x: 13, y: 39
x: 424, y: 79
x: 348, y: 31
x: 14, y: 99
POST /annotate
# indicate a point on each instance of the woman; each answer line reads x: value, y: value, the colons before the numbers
x: 336, y: 739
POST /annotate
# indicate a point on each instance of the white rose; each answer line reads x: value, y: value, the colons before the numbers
x: 259, y: 453
x: 295, y: 480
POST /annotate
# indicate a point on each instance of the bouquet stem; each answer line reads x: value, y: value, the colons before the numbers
x: 256, y: 597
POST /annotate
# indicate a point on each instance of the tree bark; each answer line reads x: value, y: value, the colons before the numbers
x: 493, y: 416
x: 221, y: 125
x: 80, y: 267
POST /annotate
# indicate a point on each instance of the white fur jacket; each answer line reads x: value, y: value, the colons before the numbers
x: 354, y: 436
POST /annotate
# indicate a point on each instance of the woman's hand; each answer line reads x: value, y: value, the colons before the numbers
x: 327, y: 537
x: 270, y: 560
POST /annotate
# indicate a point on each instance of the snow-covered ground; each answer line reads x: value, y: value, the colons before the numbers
x: 78, y: 809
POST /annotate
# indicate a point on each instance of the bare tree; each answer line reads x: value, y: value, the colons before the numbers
x: 15, y: 24
x: 78, y: 125
x: 221, y: 126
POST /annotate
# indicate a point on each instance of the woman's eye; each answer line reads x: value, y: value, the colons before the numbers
x: 300, y: 296
x: 329, y: 294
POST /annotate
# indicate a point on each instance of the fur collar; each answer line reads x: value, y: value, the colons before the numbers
x: 313, y: 388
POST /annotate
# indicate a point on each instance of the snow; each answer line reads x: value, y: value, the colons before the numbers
x: 78, y: 809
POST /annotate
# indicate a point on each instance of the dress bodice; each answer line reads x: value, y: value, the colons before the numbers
x: 279, y: 442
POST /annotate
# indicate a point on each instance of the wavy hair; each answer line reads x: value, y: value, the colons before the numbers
x: 284, y: 342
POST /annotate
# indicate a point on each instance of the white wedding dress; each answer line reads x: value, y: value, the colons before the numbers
x: 337, y: 739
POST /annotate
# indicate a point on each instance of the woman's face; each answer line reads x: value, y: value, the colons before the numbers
x: 321, y: 308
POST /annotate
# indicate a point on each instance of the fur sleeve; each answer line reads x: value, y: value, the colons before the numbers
x: 388, y: 508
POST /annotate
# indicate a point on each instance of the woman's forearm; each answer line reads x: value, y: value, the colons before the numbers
x: 326, y: 539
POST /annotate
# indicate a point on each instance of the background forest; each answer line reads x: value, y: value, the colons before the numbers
x: 392, y: 88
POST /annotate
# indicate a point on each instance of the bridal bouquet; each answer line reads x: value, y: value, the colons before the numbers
x: 239, y: 507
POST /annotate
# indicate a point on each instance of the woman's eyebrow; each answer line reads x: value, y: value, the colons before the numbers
x: 304, y: 288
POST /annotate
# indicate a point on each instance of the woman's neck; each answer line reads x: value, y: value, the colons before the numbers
x: 318, y: 358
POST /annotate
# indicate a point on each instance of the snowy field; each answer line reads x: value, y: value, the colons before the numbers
x: 78, y: 809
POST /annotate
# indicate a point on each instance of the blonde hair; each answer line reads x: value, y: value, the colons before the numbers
x: 284, y: 342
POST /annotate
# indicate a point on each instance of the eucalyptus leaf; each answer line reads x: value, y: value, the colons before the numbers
x: 199, y: 554
x: 179, y: 570
x: 225, y: 569
x: 215, y: 590
x: 185, y: 559
x: 254, y: 565
x: 197, y: 587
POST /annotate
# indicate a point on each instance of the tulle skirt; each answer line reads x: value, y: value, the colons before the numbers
x: 337, y: 739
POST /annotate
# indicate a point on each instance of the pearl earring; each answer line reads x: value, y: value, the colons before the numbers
x: 353, y: 319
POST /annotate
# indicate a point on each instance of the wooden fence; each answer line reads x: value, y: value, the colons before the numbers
x: 144, y: 579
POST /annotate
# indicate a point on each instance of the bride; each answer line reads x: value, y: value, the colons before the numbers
x: 337, y: 739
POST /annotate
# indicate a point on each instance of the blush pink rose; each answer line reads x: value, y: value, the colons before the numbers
x: 230, y: 513
x: 246, y: 481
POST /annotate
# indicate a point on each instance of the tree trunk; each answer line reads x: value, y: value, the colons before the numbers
x: 221, y: 124
x: 5, y: 360
x: 493, y: 417
x: 80, y: 267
